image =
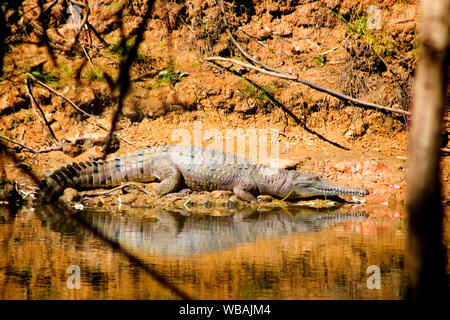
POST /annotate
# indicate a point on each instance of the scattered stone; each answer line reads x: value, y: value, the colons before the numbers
x: 264, y: 199
x: 207, y: 204
x: 12, y: 101
x: 341, y: 166
x: 286, y: 147
x: 221, y: 194
x: 69, y: 195
x: 367, y: 167
x: 128, y: 198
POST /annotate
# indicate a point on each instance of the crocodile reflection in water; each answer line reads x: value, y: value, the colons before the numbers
x: 180, y: 234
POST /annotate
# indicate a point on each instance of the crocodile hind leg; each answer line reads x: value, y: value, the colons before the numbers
x: 169, y: 175
x: 241, y: 191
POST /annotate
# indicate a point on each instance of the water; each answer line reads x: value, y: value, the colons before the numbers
x: 282, y: 253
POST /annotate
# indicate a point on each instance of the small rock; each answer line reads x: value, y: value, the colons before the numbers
x: 221, y: 194
x: 264, y: 198
x: 284, y: 163
x: 234, y: 202
x: 206, y: 204
x: 128, y: 198
x: 69, y: 195
x: 341, y: 166
x: 370, y: 167
x: 11, y: 100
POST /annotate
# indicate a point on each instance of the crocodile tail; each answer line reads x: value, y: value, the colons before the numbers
x: 57, y: 180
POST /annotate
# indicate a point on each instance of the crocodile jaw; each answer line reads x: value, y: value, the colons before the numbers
x: 324, y: 188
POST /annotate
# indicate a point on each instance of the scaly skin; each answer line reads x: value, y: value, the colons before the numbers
x: 197, y: 168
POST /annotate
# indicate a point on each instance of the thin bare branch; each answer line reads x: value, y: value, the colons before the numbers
x: 18, y: 143
x: 312, y: 85
x: 96, y: 121
x: 40, y: 113
x: 121, y: 187
x: 241, y: 50
x: 124, y: 74
x: 99, y: 37
x: 88, y: 57
x: 53, y: 148
x: 287, y: 111
x: 281, y: 74
x: 103, y: 237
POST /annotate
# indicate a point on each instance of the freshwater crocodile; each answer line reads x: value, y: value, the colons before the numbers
x: 197, y: 168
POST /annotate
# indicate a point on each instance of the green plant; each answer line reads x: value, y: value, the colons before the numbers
x: 379, y: 41
x: 46, y: 77
x: 116, y: 5
x: 92, y: 75
x: 28, y: 117
x: 123, y: 49
x: 321, y: 59
x: 168, y: 76
x: 66, y: 70
x: 260, y: 94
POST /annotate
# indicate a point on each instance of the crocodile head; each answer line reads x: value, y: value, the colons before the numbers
x: 308, y: 185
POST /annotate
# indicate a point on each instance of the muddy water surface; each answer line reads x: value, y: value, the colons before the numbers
x: 278, y: 253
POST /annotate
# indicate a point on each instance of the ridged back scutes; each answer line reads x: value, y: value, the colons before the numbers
x: 136, y: 166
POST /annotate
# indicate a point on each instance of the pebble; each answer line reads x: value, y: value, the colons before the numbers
x: 70, y: 195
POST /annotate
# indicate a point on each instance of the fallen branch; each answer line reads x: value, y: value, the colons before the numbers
x: 28, y: 148
x: 97, y: 122
x: 129, y: 184
x: 281, y: 74
x: 18, y: 143
x: 287, y: 111
x: 99, y: 37
x: 88, y: 57
x: 111, y: 243
x: 241, y: 50
x: 310, y: 84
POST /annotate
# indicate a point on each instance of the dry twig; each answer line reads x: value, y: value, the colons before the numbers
x: 283, y: 75
x: 54, y: 148
x: 97, y: 122
x: 40, y: 114
x: 121, y: 187
x: 310, y: 84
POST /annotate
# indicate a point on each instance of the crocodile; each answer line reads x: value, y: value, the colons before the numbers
x: 200, y: 169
